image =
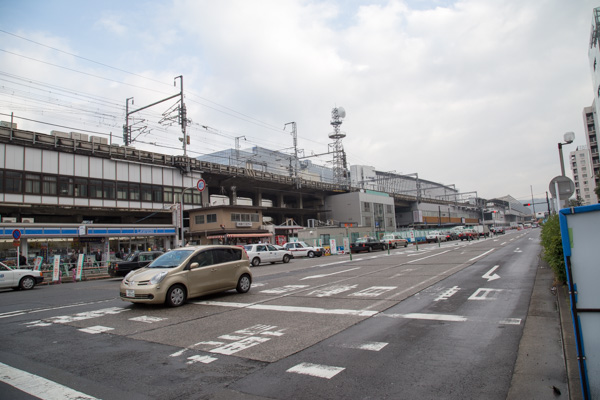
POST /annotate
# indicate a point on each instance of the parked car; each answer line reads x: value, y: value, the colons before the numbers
x: 435, y: 236
x: 135, y: 261
x: 15, y: 278
x: 451, y: 235
x: 498, y: 230
x: 301, y: 249
x: 367, y: 244
x: 468, y: 234
x: 188, y: 272
x: 394, y: 240
x: 263, y: 253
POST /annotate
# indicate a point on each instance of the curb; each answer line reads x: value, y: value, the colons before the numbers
x: 568, y: 340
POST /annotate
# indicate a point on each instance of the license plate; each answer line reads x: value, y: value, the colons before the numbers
x: 130, y: 293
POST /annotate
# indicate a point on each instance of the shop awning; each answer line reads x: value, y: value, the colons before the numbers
x: 240, y: 235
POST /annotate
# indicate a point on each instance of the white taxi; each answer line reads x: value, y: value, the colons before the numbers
x: 19, y: 278
x: 263, y: 253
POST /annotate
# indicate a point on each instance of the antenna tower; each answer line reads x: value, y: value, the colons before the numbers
x: 340, y: 175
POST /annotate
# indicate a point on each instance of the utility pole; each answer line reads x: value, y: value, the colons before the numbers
x: 295, y: 137
x: 237, y: 149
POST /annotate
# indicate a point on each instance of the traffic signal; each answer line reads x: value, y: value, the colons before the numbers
x: 527, y: 204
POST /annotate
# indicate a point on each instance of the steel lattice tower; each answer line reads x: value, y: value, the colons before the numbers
x: 340, y: 173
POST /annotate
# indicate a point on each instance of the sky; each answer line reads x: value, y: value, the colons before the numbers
x: 473, y: 93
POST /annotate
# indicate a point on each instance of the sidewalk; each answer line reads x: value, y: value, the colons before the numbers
x: 546, y: 365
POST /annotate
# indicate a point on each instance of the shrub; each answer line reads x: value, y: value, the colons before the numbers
x: 553, y: 251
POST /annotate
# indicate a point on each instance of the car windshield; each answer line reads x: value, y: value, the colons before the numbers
x: 131, y: 256
x: 248, y: 247
x: 171, y: 259
x: 362, y: 240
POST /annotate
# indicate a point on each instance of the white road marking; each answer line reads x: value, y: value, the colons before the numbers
x: 310, y: 310
x: 373, y: 291
x: 240, y: 345
x: 202, y: 359
x: 316, y: 370
x: 433, y: 255
x: 284, y: 289
x: 488, y: 275
x: 510, y: 321
x: 447, y: 294
x: 370, y: 346
x: 96, y: 329
x: 485, y: 294
x: 518, y: 250
x: 331, y: 290
x: 32, y: 311
x: 65, y: 319
x: 324, y: 275
x: 430, y: 317
x: 37, y: 386
x: 481, y: 255
x: 147, y: 319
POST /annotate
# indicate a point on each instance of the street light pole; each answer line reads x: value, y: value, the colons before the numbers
x: 181, y: 237
x: 568, y: 138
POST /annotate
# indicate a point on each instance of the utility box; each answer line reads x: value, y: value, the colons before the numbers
x: 580, y: 238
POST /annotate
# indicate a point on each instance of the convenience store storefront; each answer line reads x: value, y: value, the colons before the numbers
x: 48, y: 240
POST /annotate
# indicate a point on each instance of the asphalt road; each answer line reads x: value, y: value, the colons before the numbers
x: 443, y: 321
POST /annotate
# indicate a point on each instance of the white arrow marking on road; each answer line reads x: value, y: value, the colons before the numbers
x: 518, y: 250
x: 488, y: 275
x: 324, y: 275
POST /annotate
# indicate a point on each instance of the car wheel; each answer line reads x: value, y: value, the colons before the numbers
x: 286, y: 259
x: 26, y: 283
x: 406, y: 244
x: 255, y: 261
x: 384, y: 247
x: 243, y: 284
x: 369, y: 249
x: 310, y: 254
x: 176, y: 296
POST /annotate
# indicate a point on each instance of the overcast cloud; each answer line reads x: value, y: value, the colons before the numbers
x: 472, y: 93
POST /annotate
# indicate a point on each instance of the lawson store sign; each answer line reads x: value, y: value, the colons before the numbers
x: 76, y: 230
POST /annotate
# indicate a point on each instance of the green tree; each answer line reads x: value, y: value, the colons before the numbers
x: 553, y: 250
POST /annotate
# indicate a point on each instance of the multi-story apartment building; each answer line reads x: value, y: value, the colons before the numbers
x: 583, y: 175
x: 590, y: 114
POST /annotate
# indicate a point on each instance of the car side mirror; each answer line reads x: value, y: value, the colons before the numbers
x: 194, y: 265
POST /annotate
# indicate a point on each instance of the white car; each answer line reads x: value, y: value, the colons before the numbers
x: 266, y: 253
x: 19, y: 278
x: 301, y: 249
x: 436, y: 236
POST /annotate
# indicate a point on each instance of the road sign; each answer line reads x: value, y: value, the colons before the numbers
x: 566, y: 187
x: 201, y: 185
x: 16, y: 234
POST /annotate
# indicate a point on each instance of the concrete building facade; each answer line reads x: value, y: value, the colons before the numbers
x: 583, y: 175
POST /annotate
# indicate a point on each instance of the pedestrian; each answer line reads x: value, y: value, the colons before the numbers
x: 22, y: 260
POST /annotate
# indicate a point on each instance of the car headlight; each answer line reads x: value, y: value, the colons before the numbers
x: 158, y: 278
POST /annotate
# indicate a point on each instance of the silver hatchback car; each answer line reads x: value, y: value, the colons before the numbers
x: 188, y: 272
